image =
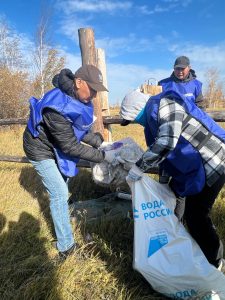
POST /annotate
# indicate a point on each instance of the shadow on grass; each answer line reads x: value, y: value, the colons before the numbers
x: 114, y: 239
x: 81, y: 187
x: 32, y: 183
x: 26, y: 272
x: 2, y: 222
x: 115, y: 246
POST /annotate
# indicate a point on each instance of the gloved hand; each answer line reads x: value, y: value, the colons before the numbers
x: 180, y: 207
x: 110, y: 156
x: 99, y: 139
x: 134, y: 174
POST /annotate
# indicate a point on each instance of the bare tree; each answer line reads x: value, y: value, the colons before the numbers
x: 15, y: 89
x: 10, y: 54
x: 14, y: 84
x: 47, y: 61
x: 43, y: 81
x: 214, y: 93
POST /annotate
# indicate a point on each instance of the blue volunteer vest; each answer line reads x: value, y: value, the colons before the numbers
x: 190, y: 90
x: 184, y: 163
x: 79, y: 114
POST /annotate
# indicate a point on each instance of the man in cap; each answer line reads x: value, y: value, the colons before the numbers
x: 58, y: 123
x: 183, y: 80
x: 185, y: 142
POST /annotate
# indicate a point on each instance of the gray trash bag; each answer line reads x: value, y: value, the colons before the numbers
x: 113, y: 175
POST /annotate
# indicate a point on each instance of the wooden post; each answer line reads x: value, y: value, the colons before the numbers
x: 88, y: 54
x: 100, y: 56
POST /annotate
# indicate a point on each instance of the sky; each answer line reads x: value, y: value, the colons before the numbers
x: 141, y: 39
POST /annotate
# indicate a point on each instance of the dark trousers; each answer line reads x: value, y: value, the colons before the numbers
x: 199, y: 223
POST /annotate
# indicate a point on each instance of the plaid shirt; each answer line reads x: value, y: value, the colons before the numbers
x: 173, y: 123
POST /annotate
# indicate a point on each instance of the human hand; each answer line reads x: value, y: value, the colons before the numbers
x: 110, y: 156
x: 99, y: 139
x: 134, y: 174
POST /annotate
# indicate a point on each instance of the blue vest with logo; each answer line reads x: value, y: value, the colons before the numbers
x: 79, y: 114
x: 184, y: 163
x: 190, y: 89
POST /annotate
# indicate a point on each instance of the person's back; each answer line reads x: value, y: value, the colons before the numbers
x: 183, y: 80
x: 189, y: 146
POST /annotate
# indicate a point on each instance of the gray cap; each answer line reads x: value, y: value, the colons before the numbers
x: 182, y: 62
x: 132, y: 105
x: 92, y: 76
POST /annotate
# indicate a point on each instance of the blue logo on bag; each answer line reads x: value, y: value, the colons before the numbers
x: 157, y: 242
x: 135, y: 215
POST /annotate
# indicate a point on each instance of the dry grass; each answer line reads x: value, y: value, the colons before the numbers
x: 29, y: 267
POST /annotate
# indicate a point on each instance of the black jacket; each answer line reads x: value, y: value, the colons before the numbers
x: 56, y: 130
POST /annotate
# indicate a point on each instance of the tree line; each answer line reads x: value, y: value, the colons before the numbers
x: 25, y: 75
x: 21, y: 78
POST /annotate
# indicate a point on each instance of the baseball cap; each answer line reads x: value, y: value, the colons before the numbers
x: 131, y: 106
x: 181, y: 62
x: 92, y: 76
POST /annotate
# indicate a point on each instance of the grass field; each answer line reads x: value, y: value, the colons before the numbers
x: 101, y: 270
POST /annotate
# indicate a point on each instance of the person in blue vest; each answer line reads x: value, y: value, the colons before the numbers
x: 183, y: 80
x: 185, y: 142
x: 57, y: 125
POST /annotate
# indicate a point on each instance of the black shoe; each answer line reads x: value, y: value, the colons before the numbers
x: 64, y: 254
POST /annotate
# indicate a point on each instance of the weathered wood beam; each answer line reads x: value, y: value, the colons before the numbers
x: 218, y: 116
x: 112, y: 120
x: 88, y: 55
x: 81, y: 164
x: 13, y: 121
x: 7, y: 158
x: 103, y: 96
x: 106, y: 120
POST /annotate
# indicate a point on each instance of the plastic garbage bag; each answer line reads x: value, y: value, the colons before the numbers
x: 114, y: 174
x: 164, y: 252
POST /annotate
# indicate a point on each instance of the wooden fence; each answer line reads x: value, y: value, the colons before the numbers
x: 22, y: 121
x: 218, y: 116
x: 91, y: 55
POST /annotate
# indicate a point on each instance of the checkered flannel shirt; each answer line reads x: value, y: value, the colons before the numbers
x: 174, y: 122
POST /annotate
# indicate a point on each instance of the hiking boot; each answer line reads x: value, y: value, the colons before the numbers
x: 64, y: 254
x: 221, y: 266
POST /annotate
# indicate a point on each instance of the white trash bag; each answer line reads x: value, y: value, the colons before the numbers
x: 128, y: 152
x: 164, y: 252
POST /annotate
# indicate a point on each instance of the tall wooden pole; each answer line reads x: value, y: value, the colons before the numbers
x: 100, y: 56
x: 88, y: 54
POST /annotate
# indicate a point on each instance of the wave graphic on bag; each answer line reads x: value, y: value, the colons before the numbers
x: 164, y: 252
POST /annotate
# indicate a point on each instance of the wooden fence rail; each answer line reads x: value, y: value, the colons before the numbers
x: 218, y: 116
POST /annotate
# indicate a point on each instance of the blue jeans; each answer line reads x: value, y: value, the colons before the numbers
x: 58, y: 193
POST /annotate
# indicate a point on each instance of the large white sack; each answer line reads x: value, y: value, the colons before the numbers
x: 164, y: 252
